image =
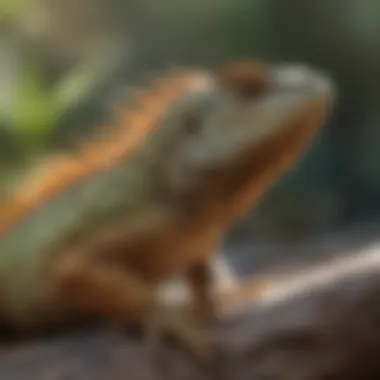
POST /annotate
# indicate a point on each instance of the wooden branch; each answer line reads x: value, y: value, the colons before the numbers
x: 323, y: 323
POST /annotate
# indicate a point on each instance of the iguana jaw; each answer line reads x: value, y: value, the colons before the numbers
x: 279, y: 127
x: 258, y: 169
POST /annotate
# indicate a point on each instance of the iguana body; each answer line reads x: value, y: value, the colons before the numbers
x: 100, y: 231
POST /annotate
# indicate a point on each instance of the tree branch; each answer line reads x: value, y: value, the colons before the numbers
x: 322, y: 323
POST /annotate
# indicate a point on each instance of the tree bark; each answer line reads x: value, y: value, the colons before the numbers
x: 318, y: 323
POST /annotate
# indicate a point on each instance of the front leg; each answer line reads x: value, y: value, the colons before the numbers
x: 201, y: 280
x: 115, y: 293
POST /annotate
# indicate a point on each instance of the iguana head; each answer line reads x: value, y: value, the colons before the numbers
x: 241, y: 129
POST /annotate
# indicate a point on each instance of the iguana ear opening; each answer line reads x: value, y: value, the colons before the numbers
x: 246, y: 79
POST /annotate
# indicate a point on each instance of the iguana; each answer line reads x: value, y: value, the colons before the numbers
x: 97, y: 233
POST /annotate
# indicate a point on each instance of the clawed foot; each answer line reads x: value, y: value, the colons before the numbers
x: 181, y: 325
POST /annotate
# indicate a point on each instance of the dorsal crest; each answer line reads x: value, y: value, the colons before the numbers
x: 63, y: 171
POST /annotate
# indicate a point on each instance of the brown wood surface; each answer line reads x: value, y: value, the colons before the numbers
x: 331, y: 333
x: 334, y: 334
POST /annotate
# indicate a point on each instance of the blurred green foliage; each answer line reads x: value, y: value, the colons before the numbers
x: 31, y: 114
x: 9, y: 7
x: 37, y: 107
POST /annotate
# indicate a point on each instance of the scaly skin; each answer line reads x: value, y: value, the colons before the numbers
x: 98, y: 233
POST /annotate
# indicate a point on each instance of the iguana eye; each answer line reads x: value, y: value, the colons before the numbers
x: 192, y: 124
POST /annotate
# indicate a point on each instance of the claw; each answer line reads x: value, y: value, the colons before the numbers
x: 183, y: 328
